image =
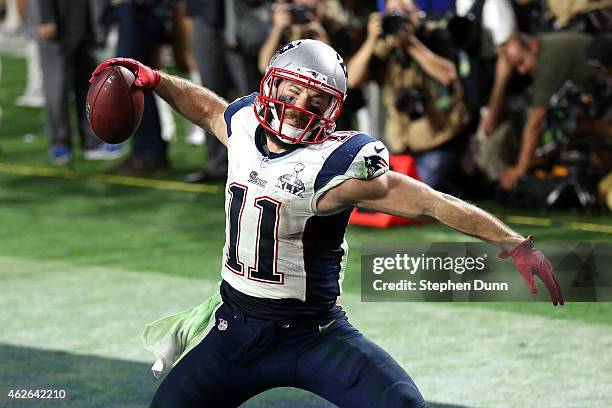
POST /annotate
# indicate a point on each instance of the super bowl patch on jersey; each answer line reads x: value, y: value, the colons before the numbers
x: 291, y: 182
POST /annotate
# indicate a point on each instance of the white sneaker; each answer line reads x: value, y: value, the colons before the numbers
x: 32, y: 101
x: 106, y: 152
x: 59, y: 155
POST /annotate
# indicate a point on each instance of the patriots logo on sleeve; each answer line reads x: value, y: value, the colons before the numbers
x: 374, y: 164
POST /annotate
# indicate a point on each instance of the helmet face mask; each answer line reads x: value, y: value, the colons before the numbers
x: 277, y: 109
x: 311, y: 67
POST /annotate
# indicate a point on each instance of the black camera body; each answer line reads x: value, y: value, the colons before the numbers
x: 393, y: 23
x: 299, y: 14
x: 573, y: 101
x: 410, y: 101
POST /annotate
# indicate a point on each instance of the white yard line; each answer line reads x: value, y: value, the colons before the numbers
x: 465, y: 356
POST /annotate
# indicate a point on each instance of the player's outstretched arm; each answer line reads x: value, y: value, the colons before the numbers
x: 397, y: 194
x: 200, y: 105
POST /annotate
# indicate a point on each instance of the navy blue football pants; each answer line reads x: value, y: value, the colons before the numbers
x: 248, y: 356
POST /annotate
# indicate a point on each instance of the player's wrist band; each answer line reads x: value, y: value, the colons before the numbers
x: 521, y: 249
x: 524, y: 247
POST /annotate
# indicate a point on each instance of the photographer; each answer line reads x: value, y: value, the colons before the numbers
x: 312, y: 19
x: 420, y: 89
x: 551, y: 60
x: 322, y: 20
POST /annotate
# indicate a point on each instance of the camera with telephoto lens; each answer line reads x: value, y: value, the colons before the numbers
x: 393, y: 23
x: 299, y: 14
x: 572, y: 102
x: 410, y: 101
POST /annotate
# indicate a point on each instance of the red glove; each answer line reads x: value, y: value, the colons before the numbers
x: 530, y: 261
x: 146, y: 77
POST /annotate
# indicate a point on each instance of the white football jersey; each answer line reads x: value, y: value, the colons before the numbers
x: 277, y: 245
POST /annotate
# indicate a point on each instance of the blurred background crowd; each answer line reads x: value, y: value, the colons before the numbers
x: 490, y: 98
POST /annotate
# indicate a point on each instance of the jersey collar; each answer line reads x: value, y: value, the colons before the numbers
x: 259, y: 143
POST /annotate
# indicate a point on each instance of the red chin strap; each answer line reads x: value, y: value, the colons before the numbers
x: 318, y: 128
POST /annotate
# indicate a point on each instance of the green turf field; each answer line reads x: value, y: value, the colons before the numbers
x: 86, y: 260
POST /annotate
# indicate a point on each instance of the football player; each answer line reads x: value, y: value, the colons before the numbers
x: 292, y: 184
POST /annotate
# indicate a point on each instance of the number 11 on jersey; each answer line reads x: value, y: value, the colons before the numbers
x: 266, y: 244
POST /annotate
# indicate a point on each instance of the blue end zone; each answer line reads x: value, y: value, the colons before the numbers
x: 234, y: 107
x: 340, y: 160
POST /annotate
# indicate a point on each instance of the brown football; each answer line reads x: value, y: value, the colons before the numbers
x: 114, y: 107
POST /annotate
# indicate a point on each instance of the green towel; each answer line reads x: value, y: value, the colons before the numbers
x: 171, y: 337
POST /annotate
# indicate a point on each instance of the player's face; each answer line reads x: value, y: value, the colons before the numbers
x: 303, y: 98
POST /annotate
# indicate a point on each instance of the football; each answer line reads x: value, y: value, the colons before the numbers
x: 114, y: 107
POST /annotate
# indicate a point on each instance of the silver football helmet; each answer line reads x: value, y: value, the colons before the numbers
x: 311, y: 64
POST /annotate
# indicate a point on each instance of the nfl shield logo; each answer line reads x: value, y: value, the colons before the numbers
x: 222, y: 325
